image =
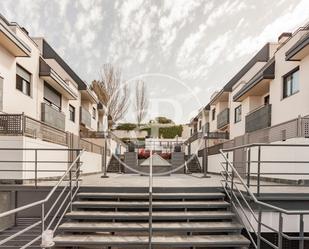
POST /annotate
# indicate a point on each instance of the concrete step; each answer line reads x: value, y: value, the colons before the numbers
x: 94, y: 195
x: 229, y: 241
x: 155, y: 204
x: 181, y: 215
x: 157, y: 227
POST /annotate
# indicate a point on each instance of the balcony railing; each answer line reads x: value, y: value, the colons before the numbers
x: 18, y: 124
x: 205, y: 127
x: 22, y: 125
x: 53, y: 117
x: 258, y: 119
x: 223, y: 118
x: 85, y: 117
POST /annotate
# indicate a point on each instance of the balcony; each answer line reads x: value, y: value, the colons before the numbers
x: 258, y: 119
x: 53, y: 117
x: 85, y: 117
x: 205, y: 127
x: 223, y: 118
x: 11, y: 42
x: 299, y: 50
x: 50, y: 76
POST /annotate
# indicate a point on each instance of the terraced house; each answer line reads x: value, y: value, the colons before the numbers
x: 240, y: 180
x: 44, y: 103
x: 262, y: 103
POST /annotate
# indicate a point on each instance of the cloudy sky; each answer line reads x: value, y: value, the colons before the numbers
x: 183, y: 49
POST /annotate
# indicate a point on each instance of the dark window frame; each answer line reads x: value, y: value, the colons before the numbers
x: 200, y: 124
x: 22, y: 82
x: 94, y: 113
x: 236, y: 117
x: 72, y: 113
x: 213, y: 114
x: 266, y: 100
x: 50, y: 103
x: 287, y: 90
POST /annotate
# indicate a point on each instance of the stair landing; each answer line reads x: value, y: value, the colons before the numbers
x: 134, y: 180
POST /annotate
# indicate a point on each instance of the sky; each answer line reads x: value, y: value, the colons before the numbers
x: 184, y: 50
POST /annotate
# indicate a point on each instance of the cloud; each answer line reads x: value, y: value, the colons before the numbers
x: 284, y: 23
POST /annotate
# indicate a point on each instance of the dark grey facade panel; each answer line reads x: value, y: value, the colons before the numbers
x: 259, y: 119
x: 50, y: 53
x: 302, y: 43
x: 261, y: 56
x: 266, y: 72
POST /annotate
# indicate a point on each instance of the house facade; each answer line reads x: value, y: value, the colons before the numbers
x: 265, y: 102
x: 43, y: 101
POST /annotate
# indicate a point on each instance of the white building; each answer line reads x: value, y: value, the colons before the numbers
x: 43, y: 102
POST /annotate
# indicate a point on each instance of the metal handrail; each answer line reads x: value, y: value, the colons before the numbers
x: 228, y: 181
x: 150, y: 200
x: 44, y: 215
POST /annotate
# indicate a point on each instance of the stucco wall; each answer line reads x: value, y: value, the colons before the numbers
x: 92, y: 162
x: 299, y: 99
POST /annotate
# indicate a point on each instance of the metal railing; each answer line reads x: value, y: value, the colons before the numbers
x: 150, y: 200
x: 243, y: 199
x: 223, y: 118
x: 22, y: 125
x: 50, y: 219
x: 28, y: 165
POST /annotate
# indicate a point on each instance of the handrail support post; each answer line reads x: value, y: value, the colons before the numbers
x: 259, y: 172
x: 36, y: 168
x: 280, y: 230
x: 301, y: 231
x: 249, y: 167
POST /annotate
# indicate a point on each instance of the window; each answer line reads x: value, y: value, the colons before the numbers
x: 291, y: 83
x: 52, y: 97
x: 72, y: 113
x: 23, y: 79
x: 94, y: 113
x: 266, y: 100
x: 237, y: 114
x: 213, y: 116
x: 200, y: 124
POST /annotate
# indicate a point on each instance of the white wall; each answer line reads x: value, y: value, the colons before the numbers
x: 284, y: 154
x: 92, y: 162
x: 25, y: 142
x: 300, y: 99
x: 290, y: 222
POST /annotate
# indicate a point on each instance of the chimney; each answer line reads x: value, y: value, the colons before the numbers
x: 284, y: 36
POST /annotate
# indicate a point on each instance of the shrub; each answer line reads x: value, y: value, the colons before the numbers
x: 171, y: 132
x: 163, y: 120
x: 126, y: 127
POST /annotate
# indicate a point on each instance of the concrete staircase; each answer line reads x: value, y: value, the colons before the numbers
x: 181, y: 219
x: 23, y: 239
x: 194, y: 164
x: 114, y: 166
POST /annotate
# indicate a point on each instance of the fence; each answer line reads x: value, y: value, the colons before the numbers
x: 298, y: 127
x: 243, y: 191
x: 22, y: 125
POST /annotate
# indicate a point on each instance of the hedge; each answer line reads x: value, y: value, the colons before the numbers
x: 170, y: 132
x: 126, y: 127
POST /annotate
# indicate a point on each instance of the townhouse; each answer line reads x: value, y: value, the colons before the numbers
x: 265, y: 102
x: 43, y: 102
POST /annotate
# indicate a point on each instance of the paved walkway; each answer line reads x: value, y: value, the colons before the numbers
x: 133, y: 180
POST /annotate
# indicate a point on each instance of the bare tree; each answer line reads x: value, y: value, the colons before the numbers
x: 112, y: 92
x: 141, y: 101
